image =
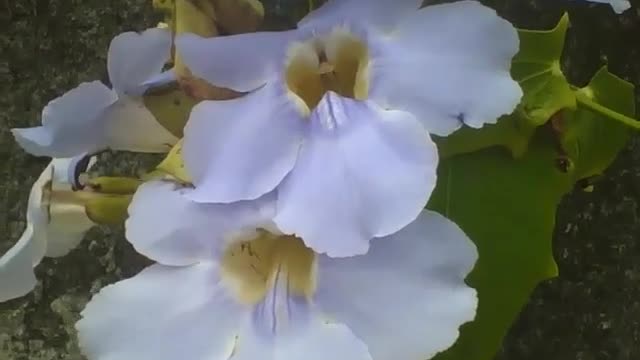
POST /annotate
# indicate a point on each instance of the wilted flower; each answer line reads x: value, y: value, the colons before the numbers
x: 229, y: 286
x: 336, y: 112
x: 56, y: 223
x: 92, y: 117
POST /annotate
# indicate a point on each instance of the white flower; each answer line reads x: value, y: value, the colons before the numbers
x: 619, y: 6
x: 92, y: 117
x: 56, y: 223
x: 225, y: 290
x: 337, y: 109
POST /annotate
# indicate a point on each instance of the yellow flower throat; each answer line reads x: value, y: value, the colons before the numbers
x: 250, y: 268
x: 338, y: 62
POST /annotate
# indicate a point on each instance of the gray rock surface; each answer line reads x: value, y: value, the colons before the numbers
x: 591, y: 312
x: 46, y: 48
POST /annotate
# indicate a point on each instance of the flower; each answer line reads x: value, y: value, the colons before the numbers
x: 619, y: 6
x: 229, y: 286
x: 92, y: 117
x: 56, y: 223
x: 336, y: 112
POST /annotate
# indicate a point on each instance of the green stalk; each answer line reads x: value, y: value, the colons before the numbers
x: 591, y: 105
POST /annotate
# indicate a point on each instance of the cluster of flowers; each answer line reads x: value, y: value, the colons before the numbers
x: 302, y: 231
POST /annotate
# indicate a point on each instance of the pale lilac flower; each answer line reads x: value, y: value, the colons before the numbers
x: 619, y: 6
x: 92, y: 117
x: 228, y: 286
x: 56, y: 224
x: 336, y: 113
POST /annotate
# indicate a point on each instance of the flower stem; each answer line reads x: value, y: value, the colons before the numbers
x: 591, y: 105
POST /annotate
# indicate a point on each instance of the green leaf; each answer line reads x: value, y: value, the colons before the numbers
x: 537, y: 68
x: 546, y: 91
x: 591, y: 138
x: 507, y: 207
x: 512, y: 132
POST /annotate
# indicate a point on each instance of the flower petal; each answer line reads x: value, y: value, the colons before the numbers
x: 242, y: 62
x: 67, y: 171
x: 130, y: 126
x: 66, y: 222
x: 91, y: 118
x: 16, y: 268
x: 318, y: 341
x: 380, y: 14
x: 405, y: 298
x: 241, y: 149
x: 134, y: 58
x: 71, y: 124
x: 61, y: 240
x: 448, y: 65
x: 619, y: 6
x: 16, y: 265
x: 164, y: 78
x: 362, y: 172
x: 168, y: 227
x: 163, y: 313
x: 37, y: 214
x: 67, y: 226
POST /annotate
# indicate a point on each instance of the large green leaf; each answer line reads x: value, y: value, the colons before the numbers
x: 507, y: 206
x: 593, y: 140
x: 512, y: 132
x: 546, y: 91
x: 537, y: 68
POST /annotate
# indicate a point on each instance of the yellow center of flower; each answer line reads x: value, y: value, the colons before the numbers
x: 251, y: 268
x: 338, y: 62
